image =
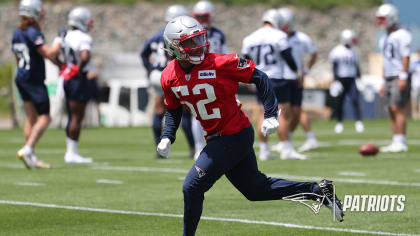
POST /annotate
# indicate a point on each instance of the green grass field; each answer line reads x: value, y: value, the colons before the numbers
x: 142, y: 195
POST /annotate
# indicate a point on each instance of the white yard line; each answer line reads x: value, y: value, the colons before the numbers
x: 108, y: 181
x: 351, y: 173
x: 278, y: 175
x: 32, y: 184
x: 245, y: 221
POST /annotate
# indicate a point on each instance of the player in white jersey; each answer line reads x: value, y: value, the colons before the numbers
x: 415, y: 87
x: 203, y: 12
x: 269, y: 49
x: 395, y: 46
x: 345, y: 63
x: 76, y: 47
x: 301, y: 46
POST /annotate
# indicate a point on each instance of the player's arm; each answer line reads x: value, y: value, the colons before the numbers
x: 144, y: 55
x: 84, y: 58
x: 312, y: 61
x: 335, y: 69
x: 265, y: 93
x: 287, y: 56
x: 172, y: 121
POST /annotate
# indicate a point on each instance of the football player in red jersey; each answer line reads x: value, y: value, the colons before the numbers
x: 206, y: 84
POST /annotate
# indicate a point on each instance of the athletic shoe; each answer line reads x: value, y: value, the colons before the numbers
x: 76, y: 158
x: 158, y: 156
x: 266, y: 155
x: 395, y: 147
x: 38, y: 163
x: 331, y: 200
x: 338, y: 129
x: 309, y: 144
x: 359, y: 127
x: 26, y: 157
x: 277, y: 147
x: 291, y: 154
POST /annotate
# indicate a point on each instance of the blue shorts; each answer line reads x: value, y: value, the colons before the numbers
x: 77, y: 89
x: 36, y: 93
x: 286, y: 91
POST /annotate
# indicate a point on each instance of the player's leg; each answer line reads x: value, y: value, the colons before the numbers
x: 397, y: 101
x: 187, y: 128
x: 256, y: 186
x: 198, y: 135
x: 311, y: 141
x: 37, y: 110
x: 354, y: 97
x: 215, y: 159
x: 340, y: 105
x: 76, y: 96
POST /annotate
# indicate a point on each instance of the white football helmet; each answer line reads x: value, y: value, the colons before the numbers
x: 287, y: 18
x: 175, y: 11
x: 80, y: 18
x: 272, y: 16
x: 31, y: 9
x: 348, y: 37
x: 387, y: 15
x: 186, y: 39
x: 203, y: 12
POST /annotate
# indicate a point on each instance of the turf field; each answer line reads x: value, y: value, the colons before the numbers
x: 128, y: 192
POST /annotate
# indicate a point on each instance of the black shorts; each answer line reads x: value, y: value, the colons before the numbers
x: 36, y: 93
x: 76, y: 89
x: 287, y: 91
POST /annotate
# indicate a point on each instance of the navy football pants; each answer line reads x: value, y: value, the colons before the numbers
x: 234, y: 157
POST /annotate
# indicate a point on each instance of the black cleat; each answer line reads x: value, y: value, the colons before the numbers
x: 331, y: 200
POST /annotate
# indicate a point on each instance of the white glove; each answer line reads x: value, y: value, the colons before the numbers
x: 164, y: 147
x: 336, y: 88
x: 269, y: 126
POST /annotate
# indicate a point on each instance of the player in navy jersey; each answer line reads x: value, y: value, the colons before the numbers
x: 155, y: 59
x: 206, y: 83
x: 30, y: 49
x: 346, y: 70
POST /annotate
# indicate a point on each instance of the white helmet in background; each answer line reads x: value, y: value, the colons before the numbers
x: 80, y: 18
x: 31, y: 9
x: 287, y: 18
x: 387, y: 15
x: 273, y: 17
x: 186, y: 39
x: 348, y: 37
x: 175, y: 11
x: 203, y: 12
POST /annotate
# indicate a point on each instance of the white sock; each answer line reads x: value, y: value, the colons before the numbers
x: 28, y: 149
x: 287, y: 145
x: 399, y: 138
x: 263, y: 147
x: 310, y: 135
x: 72, y: 145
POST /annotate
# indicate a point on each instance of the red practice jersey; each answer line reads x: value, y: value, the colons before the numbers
x: 208, y: 91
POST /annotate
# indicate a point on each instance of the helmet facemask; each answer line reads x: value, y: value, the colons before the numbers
x: 193, y: 47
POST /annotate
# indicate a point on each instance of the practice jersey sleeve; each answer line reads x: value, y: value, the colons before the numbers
x: 36, y: 37
x: 405, y: 44
x: 171, y: 101
x: 236, y: 68
x: 85, y: 43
